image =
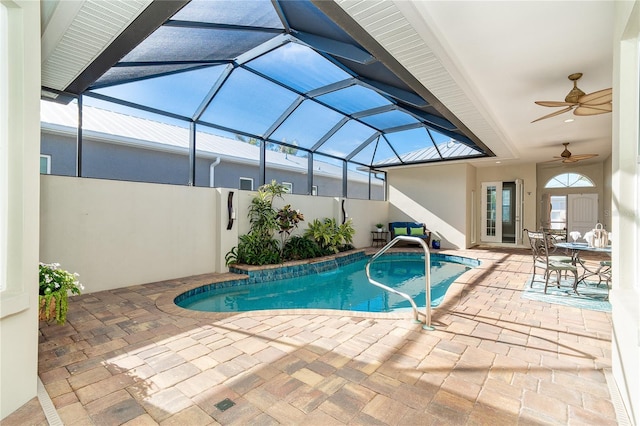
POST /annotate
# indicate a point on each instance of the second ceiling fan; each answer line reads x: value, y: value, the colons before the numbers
x: 582, y: 104
x: 567, y: 157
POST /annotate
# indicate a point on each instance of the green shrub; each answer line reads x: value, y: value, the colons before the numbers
x: 287, y: 220
x: 262, y: 215
x: 254, y: 249
x: 300, y: 247
x: 330, y: 236
x: 346, y: 247
x: 259, y: 247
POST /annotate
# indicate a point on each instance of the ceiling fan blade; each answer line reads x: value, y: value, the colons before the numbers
x: 553, y: 114
x: 597, y: 98
x: 593, y: 109
x: 554, y: 103
x: 582, y: 157
x: 567, y: 157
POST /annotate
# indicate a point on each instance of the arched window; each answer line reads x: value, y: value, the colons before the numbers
x: 570, y: 180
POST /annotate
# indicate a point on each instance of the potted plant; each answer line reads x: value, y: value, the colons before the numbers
x: 379, y: 226
x: 55, y: 285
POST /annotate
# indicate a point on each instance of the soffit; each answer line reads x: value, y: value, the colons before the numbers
x: 77, y: 32
x: 487, y: 62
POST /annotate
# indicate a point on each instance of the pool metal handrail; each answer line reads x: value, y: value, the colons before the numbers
x: 427, y: 277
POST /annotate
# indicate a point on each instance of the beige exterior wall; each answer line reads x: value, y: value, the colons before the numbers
x: 595, y: 172
x: 116, y: 234
x: 364, y: 215
x: 625, y: 293
x: 507, y: 173
x: 436, y: 195
x: 448, y: 196
x: 19, y: 300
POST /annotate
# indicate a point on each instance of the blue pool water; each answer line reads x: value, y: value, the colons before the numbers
x: 343, y: 288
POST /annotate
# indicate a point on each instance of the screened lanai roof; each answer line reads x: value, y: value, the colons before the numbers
x: 282, y: 72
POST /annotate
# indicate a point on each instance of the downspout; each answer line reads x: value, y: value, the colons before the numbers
x: 212, y: 170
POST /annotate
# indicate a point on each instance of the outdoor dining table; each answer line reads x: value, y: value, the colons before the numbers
x: 576, y: 249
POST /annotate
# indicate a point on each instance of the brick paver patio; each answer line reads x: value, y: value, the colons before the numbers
x: 129, y: 356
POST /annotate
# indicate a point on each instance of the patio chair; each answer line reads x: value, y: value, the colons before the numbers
x: 539, y: 242
x: 555, y: 236
x: 551, y: 241
x: 604, y: 274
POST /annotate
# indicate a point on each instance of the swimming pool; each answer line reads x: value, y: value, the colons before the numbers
x: 343, y: 288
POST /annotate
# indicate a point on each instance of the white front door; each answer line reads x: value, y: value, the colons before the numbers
x: 583, y: 212
x: 491, y: 212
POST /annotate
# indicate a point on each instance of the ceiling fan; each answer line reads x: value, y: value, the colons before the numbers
x: 582, y: 104
x: 567, y: 157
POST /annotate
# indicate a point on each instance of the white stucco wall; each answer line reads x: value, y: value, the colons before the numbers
x: 625, y: 293
x: 20, y: 95
x: 436, y: 195
x: 116, y: 234
x: 226, y: 238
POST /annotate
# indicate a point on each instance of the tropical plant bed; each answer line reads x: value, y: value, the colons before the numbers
x: 296, y: 268
x: 323, y: 237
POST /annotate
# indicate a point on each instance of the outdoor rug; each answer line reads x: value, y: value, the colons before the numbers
x: 592, y: 296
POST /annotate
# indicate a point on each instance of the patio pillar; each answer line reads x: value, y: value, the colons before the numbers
x: 79, y: 140
x: 344, y: 178
x: 192, y: 153
x: 310, y: 174
x: 263, y: 161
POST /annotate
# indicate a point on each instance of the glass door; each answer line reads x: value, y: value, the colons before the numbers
x: 501, y: 214
x: 508, y: 212
x: 558, y: 212
x: 491, y: 217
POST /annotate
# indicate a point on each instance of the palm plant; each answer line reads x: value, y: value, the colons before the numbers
x: 262, y: 215
x: 330, y: 236
x: 259, y: 247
